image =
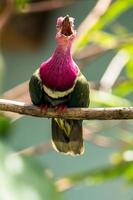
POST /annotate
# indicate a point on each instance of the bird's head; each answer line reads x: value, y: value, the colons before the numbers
x: 65, y: 31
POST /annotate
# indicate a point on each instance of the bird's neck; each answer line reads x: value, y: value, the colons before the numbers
x: 60, y: 71
x: 63, y: 51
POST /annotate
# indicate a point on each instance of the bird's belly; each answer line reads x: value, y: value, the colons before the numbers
x: 59, y: 82
x: 57, y: 86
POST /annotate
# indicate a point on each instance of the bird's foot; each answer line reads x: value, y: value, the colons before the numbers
x: 44, y: 108
x: 61, y: 108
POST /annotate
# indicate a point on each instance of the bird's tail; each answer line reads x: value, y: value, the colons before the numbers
x: 67, y: 136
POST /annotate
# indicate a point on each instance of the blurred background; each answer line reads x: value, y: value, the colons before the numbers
x: 103, y: 50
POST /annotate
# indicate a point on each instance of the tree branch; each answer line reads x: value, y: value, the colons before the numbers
x: 44, y: 6
x: 71, y: 113
x: 7, y: 11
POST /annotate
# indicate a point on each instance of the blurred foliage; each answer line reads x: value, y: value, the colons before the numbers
x: 129, y: 67
x: 101, y: 98
x: 5, y: 124
x: 122, y: 166
x: 124, y: 88
x: 20, y: 4
x: 22, y: 178
x: 121, y: 39
x: 1, y: 71
x: 114, y: 11
x: 105, y: 39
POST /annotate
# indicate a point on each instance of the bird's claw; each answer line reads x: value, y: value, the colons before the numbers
x: 61, y: 108
x: 44, y: 108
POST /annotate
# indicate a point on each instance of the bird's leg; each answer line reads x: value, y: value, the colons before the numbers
x: 61, y: 108
x: 44, y: 108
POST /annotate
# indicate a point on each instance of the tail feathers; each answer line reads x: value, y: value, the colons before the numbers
x: 71, y: 143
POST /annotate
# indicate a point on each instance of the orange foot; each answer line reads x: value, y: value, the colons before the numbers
x: 61, y: 108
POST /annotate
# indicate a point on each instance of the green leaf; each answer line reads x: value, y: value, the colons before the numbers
x: 24, y: 179
x: 19, y: 4
x: 104, y: 39
x: 130, y: 68
x: 100, y: 98
x: 124, y: 88
x: 128, y: 48
x: 115, y: 10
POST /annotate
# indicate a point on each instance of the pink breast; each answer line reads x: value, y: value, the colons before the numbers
x: 58, y: 74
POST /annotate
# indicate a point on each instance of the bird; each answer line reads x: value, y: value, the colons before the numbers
x: 59, y: 83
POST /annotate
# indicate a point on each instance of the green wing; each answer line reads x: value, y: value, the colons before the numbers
x: 38, y: 95
x: 80, y: 95
x: 36, y: 90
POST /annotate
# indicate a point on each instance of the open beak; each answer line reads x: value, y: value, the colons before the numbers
x: 66, y: 28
